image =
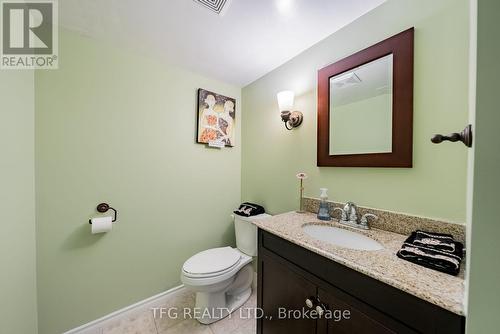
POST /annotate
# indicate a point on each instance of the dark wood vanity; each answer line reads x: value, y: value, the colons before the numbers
x: 291, y: 278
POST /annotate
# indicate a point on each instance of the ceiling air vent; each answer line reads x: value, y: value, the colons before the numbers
x: 216, y: 6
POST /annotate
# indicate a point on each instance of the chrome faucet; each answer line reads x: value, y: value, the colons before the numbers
x: 349, y: 216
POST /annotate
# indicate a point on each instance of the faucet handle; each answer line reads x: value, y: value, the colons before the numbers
x: 351, y: 210
x: 343, y: 215
x: 364, y: 219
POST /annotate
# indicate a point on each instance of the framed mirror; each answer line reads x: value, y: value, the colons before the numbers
x: 365, y: 107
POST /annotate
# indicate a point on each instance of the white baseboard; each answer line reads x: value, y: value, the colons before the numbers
x: 96, y: 326
x: 143, y: 305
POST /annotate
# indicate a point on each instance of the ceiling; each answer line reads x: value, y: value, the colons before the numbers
x: 250, y: 39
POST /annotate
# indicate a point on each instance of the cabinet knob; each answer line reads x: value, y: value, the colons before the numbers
x: 320, y: 310
x: 309, y: 303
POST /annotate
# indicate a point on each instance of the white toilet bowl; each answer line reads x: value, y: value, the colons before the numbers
x: 219, y: 290
x: 222, y: 277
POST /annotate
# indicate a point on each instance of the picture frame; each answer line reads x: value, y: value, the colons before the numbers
x: 216, y: 119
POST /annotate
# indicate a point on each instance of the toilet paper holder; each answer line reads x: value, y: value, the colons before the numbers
x: 104, y: 207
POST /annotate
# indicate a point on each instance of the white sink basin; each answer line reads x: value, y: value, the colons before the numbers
x: 341, y: 237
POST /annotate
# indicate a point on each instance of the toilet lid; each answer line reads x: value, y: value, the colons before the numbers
x: 212, y: 261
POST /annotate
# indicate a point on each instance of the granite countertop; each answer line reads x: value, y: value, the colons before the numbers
x: 435, y: 287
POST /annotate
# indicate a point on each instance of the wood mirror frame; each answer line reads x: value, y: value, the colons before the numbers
x: 401, y: 46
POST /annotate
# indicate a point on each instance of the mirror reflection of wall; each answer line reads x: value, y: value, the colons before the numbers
x: 361, y: 109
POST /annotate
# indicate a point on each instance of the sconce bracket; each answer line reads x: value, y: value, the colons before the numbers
x: 292, y: 119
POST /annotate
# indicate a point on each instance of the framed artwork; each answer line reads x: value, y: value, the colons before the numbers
x: 216, y: 118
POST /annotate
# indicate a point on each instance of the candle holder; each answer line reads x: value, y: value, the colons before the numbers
x: 301, y: 177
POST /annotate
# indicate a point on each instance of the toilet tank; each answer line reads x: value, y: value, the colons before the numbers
x: 246, y: 233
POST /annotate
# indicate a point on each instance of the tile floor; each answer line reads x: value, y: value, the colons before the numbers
x: 145, y: 322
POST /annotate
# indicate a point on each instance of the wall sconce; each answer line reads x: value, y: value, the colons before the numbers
x: 292, y: 119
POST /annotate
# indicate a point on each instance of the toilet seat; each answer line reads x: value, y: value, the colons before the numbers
x: 213, y: 276
x: 212, y: 262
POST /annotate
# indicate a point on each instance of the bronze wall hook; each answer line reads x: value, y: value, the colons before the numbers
x: 465, y: 137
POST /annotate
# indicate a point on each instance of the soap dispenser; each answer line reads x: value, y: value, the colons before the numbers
x: 324, y: 207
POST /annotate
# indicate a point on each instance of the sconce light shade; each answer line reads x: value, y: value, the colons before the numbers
x: 292, y: 119
x: 285, y: 100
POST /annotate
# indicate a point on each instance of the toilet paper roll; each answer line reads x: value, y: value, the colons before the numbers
x: 101, y: 224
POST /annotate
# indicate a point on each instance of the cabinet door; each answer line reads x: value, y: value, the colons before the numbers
x: 282, y: 291
x: 346, y: 315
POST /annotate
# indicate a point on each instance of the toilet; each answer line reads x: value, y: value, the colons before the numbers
x: 222, y: 277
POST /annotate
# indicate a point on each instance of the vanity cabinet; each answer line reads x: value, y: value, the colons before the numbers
x: 295, y: 285
x: 285, y: 289
x: 361, y: 319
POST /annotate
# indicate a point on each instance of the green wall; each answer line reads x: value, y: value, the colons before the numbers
x: 436, y: 186
x: 484, y: 249
x: 113, y: 125
x: 18, y: 312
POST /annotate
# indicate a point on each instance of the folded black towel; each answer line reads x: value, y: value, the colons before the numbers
x: 433, y: 240
x: 444, y: 261
x: 249, y: 209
